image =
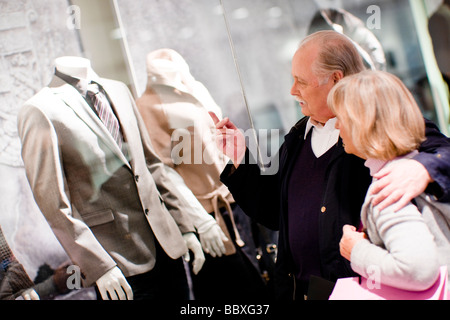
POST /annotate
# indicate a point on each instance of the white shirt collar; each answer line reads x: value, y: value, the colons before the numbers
x: 323, y: 136
x: 328, y: 128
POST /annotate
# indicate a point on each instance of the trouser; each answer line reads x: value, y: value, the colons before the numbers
x: 228, y: 277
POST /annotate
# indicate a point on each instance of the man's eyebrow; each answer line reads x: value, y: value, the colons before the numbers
x: 299, y: 78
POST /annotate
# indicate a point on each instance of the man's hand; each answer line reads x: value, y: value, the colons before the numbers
x: 212, y: 241
x: 349, y: 238
x: 399, y: 183
x: 230, y: 140
x: 114, y: 283
x: 194, y: 245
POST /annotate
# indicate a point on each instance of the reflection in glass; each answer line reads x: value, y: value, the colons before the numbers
x: 265, y: 35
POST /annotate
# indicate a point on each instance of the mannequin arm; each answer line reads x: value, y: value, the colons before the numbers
x: 211, y: 236
x: 212, y: 240
x: 30, y: 294
x: 113, y: 286
x: 194, y: 245
x: 173, y: 200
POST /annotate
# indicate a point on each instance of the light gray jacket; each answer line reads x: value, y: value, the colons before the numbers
x: 405, y: 248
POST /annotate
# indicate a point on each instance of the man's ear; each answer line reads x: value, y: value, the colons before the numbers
x: 337, y: 76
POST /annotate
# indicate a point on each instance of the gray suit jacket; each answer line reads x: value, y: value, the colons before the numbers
x: 104, y: 209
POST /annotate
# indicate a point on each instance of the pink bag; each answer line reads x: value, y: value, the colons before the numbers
x: 351, y: 289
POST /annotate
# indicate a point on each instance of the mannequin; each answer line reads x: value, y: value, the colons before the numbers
x: 175, y: 100
x: 80, y: 68
x: 175, y: 109
x: 176, y: 73
x: 112, y: 282
x: 76, y: 67
x: 92, y: 204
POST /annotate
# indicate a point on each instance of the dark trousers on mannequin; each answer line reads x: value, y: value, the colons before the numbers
x: 229, y: 278
x: 166, y: 281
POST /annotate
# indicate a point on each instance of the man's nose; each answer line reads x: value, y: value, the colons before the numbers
x: 295, y: 91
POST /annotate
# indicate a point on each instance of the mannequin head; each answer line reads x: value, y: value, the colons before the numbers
x: 168, y: 67
x: 76, y: 67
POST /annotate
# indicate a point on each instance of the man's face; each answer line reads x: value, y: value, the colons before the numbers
x: 307, y: 89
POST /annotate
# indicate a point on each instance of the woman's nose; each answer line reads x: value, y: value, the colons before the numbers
x: 337, y: 124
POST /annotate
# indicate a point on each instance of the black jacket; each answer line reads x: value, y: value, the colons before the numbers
x: 264, y: 198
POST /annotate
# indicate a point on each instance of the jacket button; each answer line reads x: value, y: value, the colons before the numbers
x: 146, y: 211
x: 323, y: 209
x: 136, y: 177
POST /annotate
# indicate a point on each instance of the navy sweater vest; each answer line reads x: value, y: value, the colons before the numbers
x: 305, y: 191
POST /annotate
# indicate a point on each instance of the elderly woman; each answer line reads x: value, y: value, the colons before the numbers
x: 379, y: 121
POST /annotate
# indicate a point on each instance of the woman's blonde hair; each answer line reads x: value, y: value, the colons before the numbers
x: 379, y: 113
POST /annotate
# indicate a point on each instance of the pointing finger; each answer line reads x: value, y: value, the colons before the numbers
x: 214, y: 117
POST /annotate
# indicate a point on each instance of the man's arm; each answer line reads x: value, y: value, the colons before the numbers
x: 257, y: 194
x: 435, y: 157
x: 428, y: 171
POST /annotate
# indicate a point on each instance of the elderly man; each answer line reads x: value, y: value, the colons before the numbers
x: 318, y: 188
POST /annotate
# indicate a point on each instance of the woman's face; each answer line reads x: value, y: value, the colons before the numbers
x: 347, y: 140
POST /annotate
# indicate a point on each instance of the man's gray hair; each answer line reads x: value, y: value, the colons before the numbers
x: 336, y: 53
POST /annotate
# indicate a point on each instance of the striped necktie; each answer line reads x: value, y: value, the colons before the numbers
x: 104, y: 111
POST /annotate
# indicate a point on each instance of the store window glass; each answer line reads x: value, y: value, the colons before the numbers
x: 241, y: 50
x: 384, y: 31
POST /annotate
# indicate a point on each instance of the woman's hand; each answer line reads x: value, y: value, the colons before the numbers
x: 349, y: 238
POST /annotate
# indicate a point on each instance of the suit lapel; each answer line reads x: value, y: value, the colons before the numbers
x: 76, y: 102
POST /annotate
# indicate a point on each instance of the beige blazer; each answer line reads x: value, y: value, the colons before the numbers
x: 183, y: 135
x: 104, y: 208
